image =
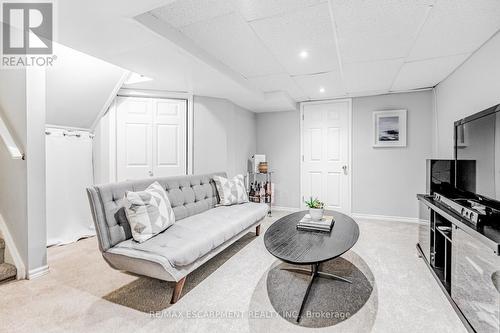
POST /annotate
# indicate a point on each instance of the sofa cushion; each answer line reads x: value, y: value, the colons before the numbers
x: 149, y: 212
x: 195, y: 236
x: 231, y: 191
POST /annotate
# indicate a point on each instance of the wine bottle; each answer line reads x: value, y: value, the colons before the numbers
x: 251, y: 193
x: 255, y: 193
x: 268, y: 192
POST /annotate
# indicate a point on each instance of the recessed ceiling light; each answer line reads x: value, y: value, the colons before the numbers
x: 304, y: 54
x: 322, y: 90
x: 136, y: 78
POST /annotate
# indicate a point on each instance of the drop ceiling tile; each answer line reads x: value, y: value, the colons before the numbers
x: 371, y: 76
x: 330, y: 81
x: 181, y: 13
x: 370, y: 30
x: 278, y: 82
x: 426, y: 73
x: 258, y: 9
x: 308, y: 29
x: 231, y: 40
x: 456, y: 27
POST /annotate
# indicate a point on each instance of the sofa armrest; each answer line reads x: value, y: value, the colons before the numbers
x: 98, y: 218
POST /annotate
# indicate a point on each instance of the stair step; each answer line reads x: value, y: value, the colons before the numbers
x: 7, y: 272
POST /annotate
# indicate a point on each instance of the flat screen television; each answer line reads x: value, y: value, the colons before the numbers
x: 477, y: 143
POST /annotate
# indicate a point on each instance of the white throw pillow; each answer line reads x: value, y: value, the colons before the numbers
x: 231, y: 191
x: 149, y: 212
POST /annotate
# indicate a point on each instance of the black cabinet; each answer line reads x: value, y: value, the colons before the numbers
x: 441, y: 245
x: 424, y: 230
x: 474, y: 268
x: 465, y: 261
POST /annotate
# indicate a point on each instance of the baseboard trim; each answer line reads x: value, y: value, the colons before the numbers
x: 385, y: 218
x: 14, y: 253
x: 286, y: 209
x: 37, y: 272
x: 361, y: 216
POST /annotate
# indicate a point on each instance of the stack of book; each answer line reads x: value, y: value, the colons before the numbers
x: 324, y: 225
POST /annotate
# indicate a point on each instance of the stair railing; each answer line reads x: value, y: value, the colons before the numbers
x: 7, y: 138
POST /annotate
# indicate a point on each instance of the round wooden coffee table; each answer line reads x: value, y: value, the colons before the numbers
x: 285, y: 242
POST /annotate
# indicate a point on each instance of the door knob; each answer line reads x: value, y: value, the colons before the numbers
x: 150, y: 173
x: 344, y: 167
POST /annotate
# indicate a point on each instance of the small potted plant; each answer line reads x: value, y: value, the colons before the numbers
x: 315, y: 209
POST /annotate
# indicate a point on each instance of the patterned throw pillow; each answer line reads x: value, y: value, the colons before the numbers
x: 231, y: 191
x: 149, y: 212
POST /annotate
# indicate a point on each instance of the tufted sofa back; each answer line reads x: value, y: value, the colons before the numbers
x: 189, y: 195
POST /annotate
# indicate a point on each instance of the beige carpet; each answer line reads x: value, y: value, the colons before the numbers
x: 151, y: 295
x: 82, y: 294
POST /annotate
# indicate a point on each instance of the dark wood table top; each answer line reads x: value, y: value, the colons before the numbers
x: 285, y: 242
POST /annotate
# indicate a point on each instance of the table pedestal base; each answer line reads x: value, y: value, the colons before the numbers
x: 314, y: 273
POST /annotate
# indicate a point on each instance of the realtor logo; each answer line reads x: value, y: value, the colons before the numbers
x: 28, y: 28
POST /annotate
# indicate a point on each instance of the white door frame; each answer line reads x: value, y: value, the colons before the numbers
x: 168, y: 95
x: 349, y: 174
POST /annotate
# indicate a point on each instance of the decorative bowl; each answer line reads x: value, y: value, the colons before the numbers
x: 263, y: 167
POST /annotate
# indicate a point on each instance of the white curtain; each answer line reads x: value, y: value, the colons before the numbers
x: 69, y: 172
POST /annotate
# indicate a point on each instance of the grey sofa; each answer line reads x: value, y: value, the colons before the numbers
x: 201, y: 230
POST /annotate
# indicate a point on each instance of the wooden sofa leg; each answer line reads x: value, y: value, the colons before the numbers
x: 177, y: 290
x: 257, y: 230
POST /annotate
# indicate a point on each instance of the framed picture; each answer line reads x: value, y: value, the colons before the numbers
x: 389, y: 128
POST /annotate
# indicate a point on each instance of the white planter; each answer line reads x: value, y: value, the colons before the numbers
x: 316, y: 213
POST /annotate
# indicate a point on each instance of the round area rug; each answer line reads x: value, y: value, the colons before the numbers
x: 330, y: 302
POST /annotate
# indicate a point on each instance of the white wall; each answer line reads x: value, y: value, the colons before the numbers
x: 22, y: 182
x: 79, y: 88
x: 385, y: 181
x: 13, y: 173
x: 35, y: 157
x: 224, y: 136
x: 278, y: 137
x: 103, y: 146
x: 473, y: 87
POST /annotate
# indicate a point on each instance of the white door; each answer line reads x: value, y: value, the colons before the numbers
x: 151, y: 137
x: 325, y: 143
x: 134, y: 142
x: 169, y: 137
